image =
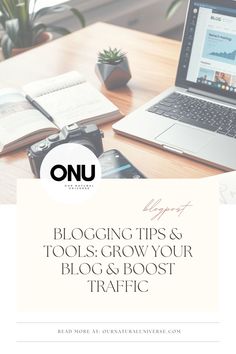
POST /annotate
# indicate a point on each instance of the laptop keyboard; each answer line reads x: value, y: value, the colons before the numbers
x: 197, y: 112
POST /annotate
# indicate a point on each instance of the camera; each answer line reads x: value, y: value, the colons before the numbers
x: 87, y: 135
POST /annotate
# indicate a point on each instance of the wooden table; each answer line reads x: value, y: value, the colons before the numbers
x: 153, y: 62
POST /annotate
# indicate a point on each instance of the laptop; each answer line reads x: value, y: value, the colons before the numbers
x: 197, y: 117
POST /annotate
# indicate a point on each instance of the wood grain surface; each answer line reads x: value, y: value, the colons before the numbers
x: 153, y: 61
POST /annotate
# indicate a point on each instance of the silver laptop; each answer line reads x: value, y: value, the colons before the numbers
x: 197, y: 117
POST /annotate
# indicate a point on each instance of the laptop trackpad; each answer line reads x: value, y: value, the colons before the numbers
x: 185, y: 138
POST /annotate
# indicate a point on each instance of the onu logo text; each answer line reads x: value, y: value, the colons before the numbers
x: 80, y: 173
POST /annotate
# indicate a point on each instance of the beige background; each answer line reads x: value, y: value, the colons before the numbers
x: 117, y: 203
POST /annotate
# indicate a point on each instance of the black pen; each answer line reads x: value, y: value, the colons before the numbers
x: 39, y: 108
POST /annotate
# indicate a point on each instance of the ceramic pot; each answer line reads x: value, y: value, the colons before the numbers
x: 42, y: 39
x: 114, y: 76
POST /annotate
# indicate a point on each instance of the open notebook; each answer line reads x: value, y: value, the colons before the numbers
x: 46, y: 106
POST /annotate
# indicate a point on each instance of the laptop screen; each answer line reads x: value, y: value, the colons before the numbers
x: 208, y: 56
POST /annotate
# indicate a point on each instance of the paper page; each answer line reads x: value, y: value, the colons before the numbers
x: 18, y: 118
x: 227, y: 187
x: 75, y: 104
x: 43, y: 87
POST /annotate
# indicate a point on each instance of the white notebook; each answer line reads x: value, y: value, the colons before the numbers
x: 46, y: 106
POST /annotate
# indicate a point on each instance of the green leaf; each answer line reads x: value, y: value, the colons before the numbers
x: 7, y: 46
x: 22, y: 14
x: 60, y: 8
x: 7, y: 9
x: 173, y: 8
x: 79, y: 15
x: 2, y: 20
x: 25, y: 32
x: 60, y: 30
x: 33, y: 6
x: 37, y: 30
x: 12, y: 30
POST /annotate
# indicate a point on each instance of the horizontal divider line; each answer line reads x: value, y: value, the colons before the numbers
x: 118, y: 341
x: 118, y: 322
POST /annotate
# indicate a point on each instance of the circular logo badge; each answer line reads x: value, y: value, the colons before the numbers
x: 70, y: 173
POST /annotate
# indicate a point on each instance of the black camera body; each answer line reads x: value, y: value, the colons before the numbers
x: 88, y: 135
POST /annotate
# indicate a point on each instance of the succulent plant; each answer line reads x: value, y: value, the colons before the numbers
x: 20, y: 22
x: 111, y: 56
